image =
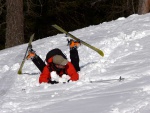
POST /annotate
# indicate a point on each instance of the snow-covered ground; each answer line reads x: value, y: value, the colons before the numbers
x: 126, y: 44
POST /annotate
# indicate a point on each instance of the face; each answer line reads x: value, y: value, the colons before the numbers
x: 59, y: 66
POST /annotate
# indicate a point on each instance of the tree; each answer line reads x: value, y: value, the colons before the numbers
x: 14, y: 23
x: 2, y: 23
x: 144, y: 6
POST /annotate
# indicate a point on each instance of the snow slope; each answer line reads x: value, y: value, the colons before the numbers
x: 126, y: 45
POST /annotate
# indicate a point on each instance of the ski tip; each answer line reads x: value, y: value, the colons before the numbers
x: 54, y: 25
x: 33, y: 35
x: 19, y: 72
x: 101, y: 53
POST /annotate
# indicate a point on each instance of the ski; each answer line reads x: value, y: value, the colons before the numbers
x: 23, y: 61
x: 100, y: 52
x: 108, y: 80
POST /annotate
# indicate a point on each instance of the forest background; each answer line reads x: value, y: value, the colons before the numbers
x: 39, y: 15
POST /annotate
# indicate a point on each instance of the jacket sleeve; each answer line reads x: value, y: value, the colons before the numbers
x: 74, y: 76
x: 45, y: 75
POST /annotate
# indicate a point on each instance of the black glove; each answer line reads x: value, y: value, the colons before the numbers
x: 66, y: 82
x: 53, y: 82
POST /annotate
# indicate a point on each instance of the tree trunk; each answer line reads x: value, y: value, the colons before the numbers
x: 144, y: 6
x: 15, y: 23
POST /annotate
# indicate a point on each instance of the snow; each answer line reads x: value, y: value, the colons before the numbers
x: 126, y: 45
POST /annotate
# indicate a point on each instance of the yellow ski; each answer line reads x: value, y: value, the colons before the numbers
x: 86, y: 44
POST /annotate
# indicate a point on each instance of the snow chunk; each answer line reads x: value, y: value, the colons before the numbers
x: 121, y: 18
x: 5, y: 68
x: 147, y: 89
x: 15, y: 66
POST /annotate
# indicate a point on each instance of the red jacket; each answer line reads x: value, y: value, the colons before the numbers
x: 69, y: 70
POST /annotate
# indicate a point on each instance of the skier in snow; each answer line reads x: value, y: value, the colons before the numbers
x: 57, y: 61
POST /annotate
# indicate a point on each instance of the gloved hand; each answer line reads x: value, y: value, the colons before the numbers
x: 66, y: 81
x: 53, y: 82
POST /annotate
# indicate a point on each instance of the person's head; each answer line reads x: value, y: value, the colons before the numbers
x: 59, y: 61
